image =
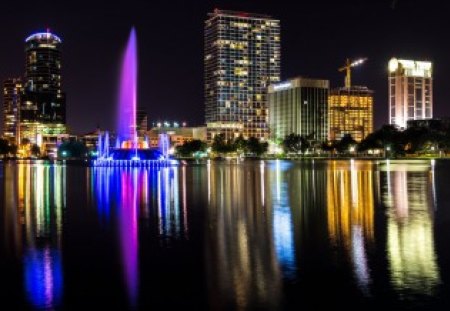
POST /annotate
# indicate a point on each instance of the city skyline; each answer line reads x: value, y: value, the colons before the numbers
x: 91, y: 82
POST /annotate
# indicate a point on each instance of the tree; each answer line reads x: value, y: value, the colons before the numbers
x: 4, y: 147
x: 295, y: 143
x: 191, y: 147
x: 220, y: 145
x: 345, y: 143
x: 255, y: 146
x: 35, y: 150
x: 72, y: 149
x: 240, y: 144
x: 387, y: 136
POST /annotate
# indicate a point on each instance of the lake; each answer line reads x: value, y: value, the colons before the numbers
x: 265, y: 235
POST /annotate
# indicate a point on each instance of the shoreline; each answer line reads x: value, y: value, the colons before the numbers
x: 184, y: 161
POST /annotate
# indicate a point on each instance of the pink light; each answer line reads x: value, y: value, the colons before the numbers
x: 128, y: 92
x: 129, y: 231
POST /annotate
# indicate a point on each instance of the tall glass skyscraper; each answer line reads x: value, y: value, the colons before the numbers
x: 242, y: 58
x: 410, y: 91
x: 43, y: 107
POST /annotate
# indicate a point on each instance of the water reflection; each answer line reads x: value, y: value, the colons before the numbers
x: 350, y: 213
x: 409, y: 195
x: 41, y: 201
x: 243, y: 268
x: 283, y: 228
x: 141, y: 194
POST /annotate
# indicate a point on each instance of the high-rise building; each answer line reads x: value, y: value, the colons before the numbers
x: 43, y: 107
x: 410, y: 91
x: 350, y: 112
x: 141, y: 122
x: 299, y: 106
x: 242, y: 58
x: 12, y: 91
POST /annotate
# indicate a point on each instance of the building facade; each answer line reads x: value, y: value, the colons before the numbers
x: 410, y: 91
x: 350, y: 112
x: 299, y: 106
x: 177, y: 135
x: 12, y: 91
x: 141, y: 122
x: 242, y: 58
x: 43, y: 104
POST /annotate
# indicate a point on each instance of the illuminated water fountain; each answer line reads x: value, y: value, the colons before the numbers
x: 129, y: 149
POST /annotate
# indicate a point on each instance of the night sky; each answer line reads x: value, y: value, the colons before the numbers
x: 316, y: 38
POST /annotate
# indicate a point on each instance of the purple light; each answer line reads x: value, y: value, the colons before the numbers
x: 129, y: 231
x: 128, y: 92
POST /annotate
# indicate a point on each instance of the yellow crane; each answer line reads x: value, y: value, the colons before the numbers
x: 347, y: 67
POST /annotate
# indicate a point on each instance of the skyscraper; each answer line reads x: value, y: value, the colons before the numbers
x: 43, y: 107
x: 410, y: 91
x: 12, y: 91
x: 242, y: 58
x: 351, y: 112
x: 299, y: 106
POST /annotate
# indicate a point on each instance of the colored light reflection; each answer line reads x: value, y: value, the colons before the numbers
x: 136, y: 194
x: 409, y: 196
x: 350, y: 214
x: 283, y: 229
x: 43, y: 277
x: 41, y: 193
x: 241, y: 256
x: 171, y: 217
x: 128, y: 218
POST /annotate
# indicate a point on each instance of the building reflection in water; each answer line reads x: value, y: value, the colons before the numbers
x: 241, y: 253
x: 408, y: 193
x: 41, y: 192
x: 350, y: 210
x: 283, y: 227
x: 147, y: 194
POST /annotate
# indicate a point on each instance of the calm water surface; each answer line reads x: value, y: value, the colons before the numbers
x: 257, y: 235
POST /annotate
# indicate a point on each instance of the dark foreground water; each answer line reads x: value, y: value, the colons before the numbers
x: 257, y: 235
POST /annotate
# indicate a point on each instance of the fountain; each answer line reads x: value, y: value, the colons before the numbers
x: 129, y: 149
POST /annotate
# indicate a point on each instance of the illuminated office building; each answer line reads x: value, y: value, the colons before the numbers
x: 242, y: 58
x: 43, y: 107
x: 299, y: 106
x: 410, y: 91
x: 350, y: 112
x: 12, y: 90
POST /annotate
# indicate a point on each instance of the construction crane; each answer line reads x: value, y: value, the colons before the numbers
x: 347, y: 67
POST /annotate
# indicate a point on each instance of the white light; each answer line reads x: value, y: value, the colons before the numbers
x: 282, y: 86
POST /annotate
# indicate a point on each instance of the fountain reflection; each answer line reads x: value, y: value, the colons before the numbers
x: 41, y: 200
x: 147, y: 194
x: 409, y: 196
x: 350, y: 213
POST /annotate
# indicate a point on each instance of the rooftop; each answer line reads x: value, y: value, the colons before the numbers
x: 239, y: 14
x: 43, y: 36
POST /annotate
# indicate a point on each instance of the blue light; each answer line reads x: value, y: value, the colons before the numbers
x: 43, y: 277
x: 38, y: 35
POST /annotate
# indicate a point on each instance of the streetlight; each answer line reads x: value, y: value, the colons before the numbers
x: 388, y: 149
